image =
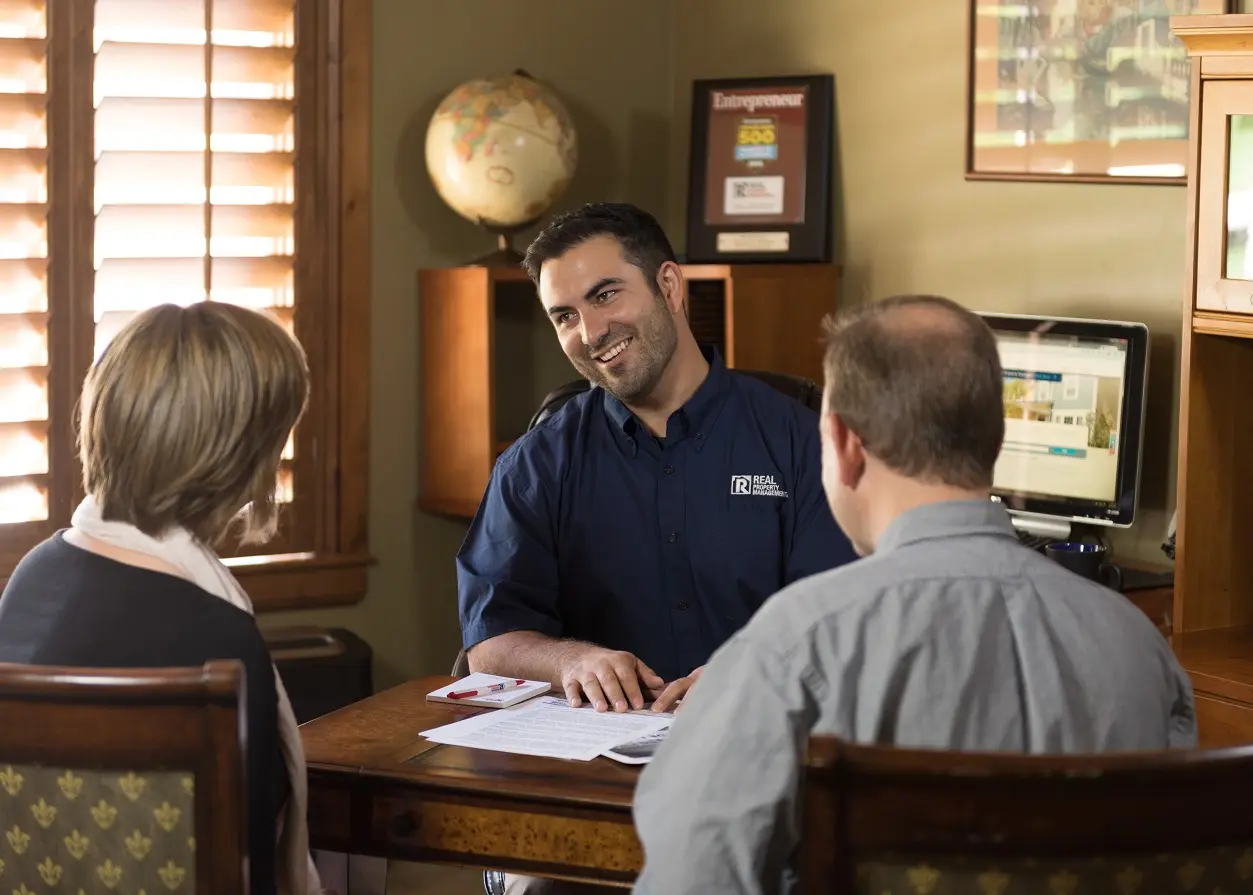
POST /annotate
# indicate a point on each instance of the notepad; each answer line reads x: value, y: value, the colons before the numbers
x: 501, y: 700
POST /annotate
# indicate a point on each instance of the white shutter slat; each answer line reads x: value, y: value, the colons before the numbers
x: 23, y: 285
x: 260, y: 23
x: 23, y: 18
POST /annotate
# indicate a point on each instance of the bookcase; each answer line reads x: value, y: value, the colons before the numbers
x: 1213, y: 598
x: 489, y: 355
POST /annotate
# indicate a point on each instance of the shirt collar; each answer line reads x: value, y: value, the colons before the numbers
x: 695, y: 415
x: 947, y: 519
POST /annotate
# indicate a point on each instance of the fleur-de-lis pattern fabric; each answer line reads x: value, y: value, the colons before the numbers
x: 1220, y: 871
x: 91, y: 832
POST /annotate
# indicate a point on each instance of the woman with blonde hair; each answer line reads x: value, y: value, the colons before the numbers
x: 183, y: 421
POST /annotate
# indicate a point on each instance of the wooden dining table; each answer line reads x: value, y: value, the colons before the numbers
x: 378, y: 788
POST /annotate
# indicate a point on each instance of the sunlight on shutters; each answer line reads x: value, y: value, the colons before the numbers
x: 195, y: 181
x: 23, y: 262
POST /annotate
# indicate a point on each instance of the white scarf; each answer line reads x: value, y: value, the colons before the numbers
x: 198, y: 563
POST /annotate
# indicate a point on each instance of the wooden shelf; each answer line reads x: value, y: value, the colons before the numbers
x: 1212, y: 614
x: 1220, y: 662
x: 453, y: 507
x: 1211, y: 323
x: 489, y: 355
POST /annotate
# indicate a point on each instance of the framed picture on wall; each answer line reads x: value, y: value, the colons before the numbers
x: 760, y: 170
x: 1079, y: 90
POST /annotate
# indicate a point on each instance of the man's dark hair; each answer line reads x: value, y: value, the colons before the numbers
x: 919, y: 379
x: 643, y: 242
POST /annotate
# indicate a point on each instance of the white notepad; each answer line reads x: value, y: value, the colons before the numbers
x: 501, y: 700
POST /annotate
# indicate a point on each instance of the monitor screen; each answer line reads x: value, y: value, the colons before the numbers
x: 1073, y: 398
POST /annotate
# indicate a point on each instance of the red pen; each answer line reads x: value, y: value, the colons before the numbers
x: 483, y: 691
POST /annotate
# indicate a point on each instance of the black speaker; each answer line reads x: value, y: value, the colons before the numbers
x: 323, y: 669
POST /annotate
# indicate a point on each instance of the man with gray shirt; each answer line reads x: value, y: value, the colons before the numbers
x: 948, y: 634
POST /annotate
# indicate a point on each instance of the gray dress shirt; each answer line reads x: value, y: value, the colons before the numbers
x: 952, y: 635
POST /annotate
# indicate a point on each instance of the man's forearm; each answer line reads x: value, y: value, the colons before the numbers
x: 526, y: 654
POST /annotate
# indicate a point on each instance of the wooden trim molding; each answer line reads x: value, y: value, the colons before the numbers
x: 315, y: 582
x: 351, y: 104
x: 1228, y: 34
x: 307, y: 582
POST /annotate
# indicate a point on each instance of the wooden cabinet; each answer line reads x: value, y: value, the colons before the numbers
x: 489, y: 355
x: 1224, y: 262
x: 1213, y: 601
x: 1223, y: 722
x: 1220, y: 663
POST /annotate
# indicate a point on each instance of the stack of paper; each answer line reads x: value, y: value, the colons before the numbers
x: 551, y: 728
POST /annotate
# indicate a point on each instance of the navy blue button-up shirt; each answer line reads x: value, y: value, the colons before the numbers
x: 594, y: 529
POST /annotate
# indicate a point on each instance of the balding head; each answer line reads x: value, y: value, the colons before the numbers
x: 919, y: 380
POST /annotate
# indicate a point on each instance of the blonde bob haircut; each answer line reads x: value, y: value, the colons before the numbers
x: 184, y: 418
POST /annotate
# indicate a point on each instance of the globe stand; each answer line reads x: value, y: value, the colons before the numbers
x: 505, y: 255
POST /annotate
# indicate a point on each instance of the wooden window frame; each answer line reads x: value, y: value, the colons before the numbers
x: 333, y: 161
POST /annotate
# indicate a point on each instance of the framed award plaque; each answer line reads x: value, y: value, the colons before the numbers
x: 760, y: 178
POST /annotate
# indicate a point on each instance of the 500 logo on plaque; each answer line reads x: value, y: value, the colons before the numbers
x: 756, y: 141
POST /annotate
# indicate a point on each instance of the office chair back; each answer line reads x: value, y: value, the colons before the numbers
x: 882, y: 820
x: 126, y: 779
x: 799, y: 388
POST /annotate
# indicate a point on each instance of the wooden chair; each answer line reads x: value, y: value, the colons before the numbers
x: 116, y: 781
x: 902, y: 822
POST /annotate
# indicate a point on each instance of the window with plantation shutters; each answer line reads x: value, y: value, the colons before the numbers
x: 195, y: 169
x: 158, y: 151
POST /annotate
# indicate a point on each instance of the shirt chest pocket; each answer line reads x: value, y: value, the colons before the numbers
x: 750, y: 538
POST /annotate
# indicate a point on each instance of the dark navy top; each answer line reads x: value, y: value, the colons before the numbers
x: 594, y: 529
x: 66, y: 606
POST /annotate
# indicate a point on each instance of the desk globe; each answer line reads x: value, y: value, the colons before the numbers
x: 500, y: 151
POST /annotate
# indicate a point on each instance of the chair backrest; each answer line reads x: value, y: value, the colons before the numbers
x: 122, y: 780
x: 799, y: 388
x: 882, y: 820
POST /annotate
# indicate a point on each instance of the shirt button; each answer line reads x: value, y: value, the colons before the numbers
x: 673, y: 537
x: 683, y: 605
x: 631, y: 442
x: 699, y: 436
x: 669, y: 470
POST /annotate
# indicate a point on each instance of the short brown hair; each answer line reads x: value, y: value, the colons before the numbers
x: 642, y: 240
x: 184, y: 418
x: 919, y: 379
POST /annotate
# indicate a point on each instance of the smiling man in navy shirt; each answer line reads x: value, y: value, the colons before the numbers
x: 626, y: 537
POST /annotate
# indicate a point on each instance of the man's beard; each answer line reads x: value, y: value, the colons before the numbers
x: 653, y: 346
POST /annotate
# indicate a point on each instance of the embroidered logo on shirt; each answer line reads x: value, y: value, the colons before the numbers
x: 756, y: 486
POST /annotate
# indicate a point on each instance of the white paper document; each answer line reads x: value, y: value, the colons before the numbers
x: 548, y: 726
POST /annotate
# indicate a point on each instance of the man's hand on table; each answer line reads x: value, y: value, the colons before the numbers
x: 672, y: 695
x: 609, y: 679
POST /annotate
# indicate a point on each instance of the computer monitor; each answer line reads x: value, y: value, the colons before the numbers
x: 1074, y: 399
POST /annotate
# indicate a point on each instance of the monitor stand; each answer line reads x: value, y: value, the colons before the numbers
x: 1038, y: 531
